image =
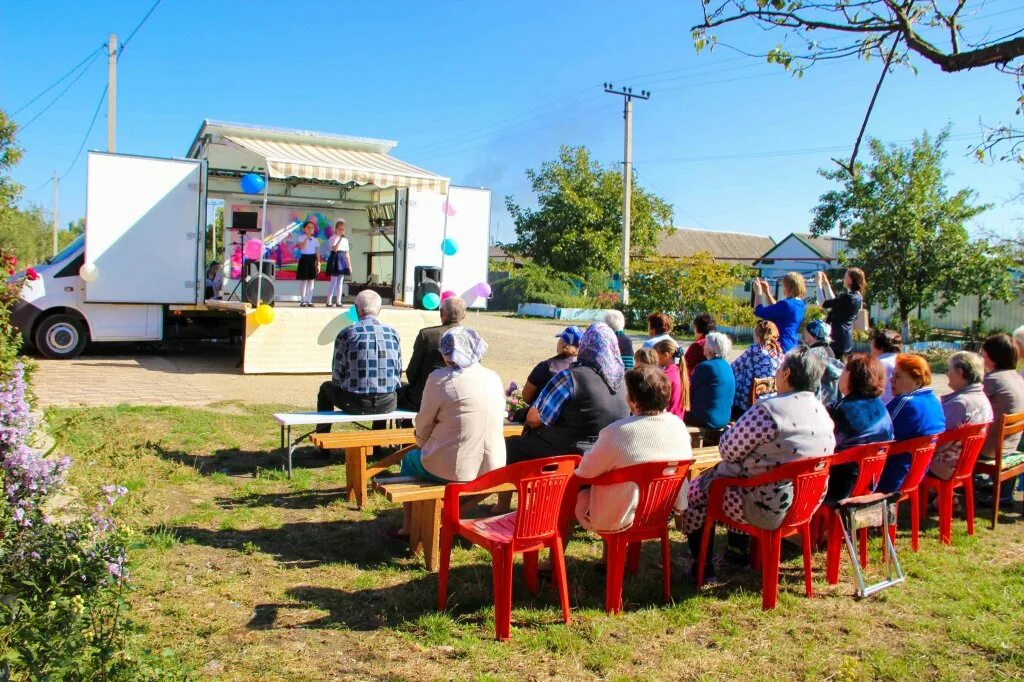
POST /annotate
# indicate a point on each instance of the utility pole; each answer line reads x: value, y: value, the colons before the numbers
x: 627, y: 176
x: 56, y: 219
x: 112, y: 94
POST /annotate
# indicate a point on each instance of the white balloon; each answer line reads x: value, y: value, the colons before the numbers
x: 89, y: 272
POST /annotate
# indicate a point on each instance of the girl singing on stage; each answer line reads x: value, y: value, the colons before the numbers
x: 338, y: 263
x: 309, y: 263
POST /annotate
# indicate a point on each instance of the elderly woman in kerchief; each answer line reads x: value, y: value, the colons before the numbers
x: 460, y: 422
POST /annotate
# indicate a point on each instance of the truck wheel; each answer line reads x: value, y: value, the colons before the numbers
x: 60, y: 337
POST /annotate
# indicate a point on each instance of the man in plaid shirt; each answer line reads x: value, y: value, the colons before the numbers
x: 367, y: 365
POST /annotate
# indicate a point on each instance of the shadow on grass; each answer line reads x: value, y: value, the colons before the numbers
x: 295, y: 499
x: 236, y: 461
x: 310, y: 544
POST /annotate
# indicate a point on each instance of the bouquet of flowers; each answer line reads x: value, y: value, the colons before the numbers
x: 515, y: 406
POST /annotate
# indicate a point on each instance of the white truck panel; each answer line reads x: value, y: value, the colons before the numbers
x: 120, y: 322
x: 144, y: 221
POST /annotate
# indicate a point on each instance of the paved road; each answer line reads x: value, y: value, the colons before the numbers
x: 208, y: 373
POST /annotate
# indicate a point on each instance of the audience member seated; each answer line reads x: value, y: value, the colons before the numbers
x: 214, y: 281
x: 885, y: 345
x: 651, y: 434
x: 668, y: 359
x: 712, y: 386
x: 367, y: 365
x: 566, y: 349
x: 816, y: 336
x: 760, y: 361
x: 967, y: 404
x: 1004, y: 388
x: 645, y: 356
x: 425, y: 354
x: 859, y: 416
x: 787, y: 313
x: 617, y: 322
x: 702, y: 326
x: 459, y: 425
x: 915, y: 411
x: 778, y: 430
x: 659, y: 328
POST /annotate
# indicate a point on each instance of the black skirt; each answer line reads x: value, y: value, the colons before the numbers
x: 337, y: 265
x: 306, y: 268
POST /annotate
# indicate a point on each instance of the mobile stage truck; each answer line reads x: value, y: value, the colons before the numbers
x: 137, y: 274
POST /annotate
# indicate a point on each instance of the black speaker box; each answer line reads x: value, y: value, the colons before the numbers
x: 257, y: 292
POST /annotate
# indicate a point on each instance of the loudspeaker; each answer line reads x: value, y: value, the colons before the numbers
x: 253, y: 266
x: 428, y: 281
x: 254, y: 288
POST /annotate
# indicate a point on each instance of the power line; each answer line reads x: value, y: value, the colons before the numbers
x: 141, y: 23
x: 57, y: 82
x: 85, y: 139
x: 61, y: 94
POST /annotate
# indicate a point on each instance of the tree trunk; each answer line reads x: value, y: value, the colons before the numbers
x: 905, y: 324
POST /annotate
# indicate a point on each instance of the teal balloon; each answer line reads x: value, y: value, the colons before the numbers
x: 431, y: 301
x: 449, y: 247
x: 353, y: 314
x: 253, y: 183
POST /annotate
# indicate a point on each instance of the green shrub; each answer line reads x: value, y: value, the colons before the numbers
x: 536, y: 284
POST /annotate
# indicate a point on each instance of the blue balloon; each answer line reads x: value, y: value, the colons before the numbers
x: 431, y: 301
x: 353, y: 314
x: 449, y: 247
x: 253, y: 183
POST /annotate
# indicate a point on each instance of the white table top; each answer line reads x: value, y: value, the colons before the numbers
x: 295, y: 418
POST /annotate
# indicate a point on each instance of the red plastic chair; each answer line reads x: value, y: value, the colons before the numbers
x: 921, y: 450
x: 659, y: 484
x: 870, y: 460
x: 541, y: 484
x: 810, y: 478
x: 971, y: 438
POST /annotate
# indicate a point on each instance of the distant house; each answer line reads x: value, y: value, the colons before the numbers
x: 728, y: 247
x: 800, y: 252
x: 496, y: 253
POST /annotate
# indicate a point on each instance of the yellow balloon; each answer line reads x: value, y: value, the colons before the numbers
x: 264, y: 314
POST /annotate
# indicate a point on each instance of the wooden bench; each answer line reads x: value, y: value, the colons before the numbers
x: 358, y: 446
x: 428, y: 499
x: 286, y: 420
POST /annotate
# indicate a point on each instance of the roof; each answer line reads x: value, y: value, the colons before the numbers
x: 735, y: 247
x: 305, y: 155
x: 824, y: 246
x: 498, y: 253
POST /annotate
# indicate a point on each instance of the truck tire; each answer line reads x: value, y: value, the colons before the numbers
x: 60, y: 337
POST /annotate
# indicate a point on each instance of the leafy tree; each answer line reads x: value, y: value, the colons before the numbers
x: 577, y: 227
x: 892, y: 30
x: 686, y: 287
x: 988, y: 275
x: 904, y: 228
x: 10, y: 155
x: 26, y: 233
x: 74, y: 230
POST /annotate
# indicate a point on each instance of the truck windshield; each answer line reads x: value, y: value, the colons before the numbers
x: 67, y: 250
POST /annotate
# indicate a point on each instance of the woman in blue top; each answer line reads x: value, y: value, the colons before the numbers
x: 915, y: 411
x: 788, y: 313
x: 712, y: 386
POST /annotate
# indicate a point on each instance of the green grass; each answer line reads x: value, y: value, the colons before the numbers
x: 242, y: 574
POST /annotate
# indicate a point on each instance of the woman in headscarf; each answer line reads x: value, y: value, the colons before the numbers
x: 460, y: 423
x: 575, y: 405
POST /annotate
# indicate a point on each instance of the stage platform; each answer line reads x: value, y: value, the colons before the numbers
x: 301, y: 340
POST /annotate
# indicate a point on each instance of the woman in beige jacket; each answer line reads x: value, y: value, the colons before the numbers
x: 459, y: 428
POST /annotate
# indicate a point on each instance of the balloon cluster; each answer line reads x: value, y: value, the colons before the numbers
x: 450, y: 247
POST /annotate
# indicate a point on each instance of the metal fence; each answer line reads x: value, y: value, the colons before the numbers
x: 1005, y: 316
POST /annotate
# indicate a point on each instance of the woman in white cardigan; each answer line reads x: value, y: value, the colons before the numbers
x: 650, y: 435
x: 459, y: 427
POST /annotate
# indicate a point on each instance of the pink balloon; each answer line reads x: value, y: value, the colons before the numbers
x: 448, y: 209
x: 483, y: 289
x: 446, y: 294
x: 253, y: 249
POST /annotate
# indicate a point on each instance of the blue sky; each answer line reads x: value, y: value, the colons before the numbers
x: 480, y: 91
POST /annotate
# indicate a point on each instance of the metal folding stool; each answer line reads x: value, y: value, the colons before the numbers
x: 876, y: 510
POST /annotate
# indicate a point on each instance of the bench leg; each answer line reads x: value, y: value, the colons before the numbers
x: 430, y: 533
x: 291, y: 449
x: 355, y: 474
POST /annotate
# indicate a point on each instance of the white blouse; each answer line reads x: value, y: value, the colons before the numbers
x: 338, y: 243
x: 310, y: 248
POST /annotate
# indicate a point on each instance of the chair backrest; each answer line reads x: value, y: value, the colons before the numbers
x: 971, y: 438
x: 659, y: 484
x: 760, y: 386
x: 810, y: 479
x: 1009, y: 424
x: 541, y: 485
x: 920, y: 450
x: 870, y: 460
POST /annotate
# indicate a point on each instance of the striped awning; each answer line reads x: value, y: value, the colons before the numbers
x: 333, y: 164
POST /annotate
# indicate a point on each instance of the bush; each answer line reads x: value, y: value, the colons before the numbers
x: 537, y: 284
x: 10, y: 338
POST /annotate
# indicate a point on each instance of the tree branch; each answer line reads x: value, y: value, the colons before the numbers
x: 851, y: 168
